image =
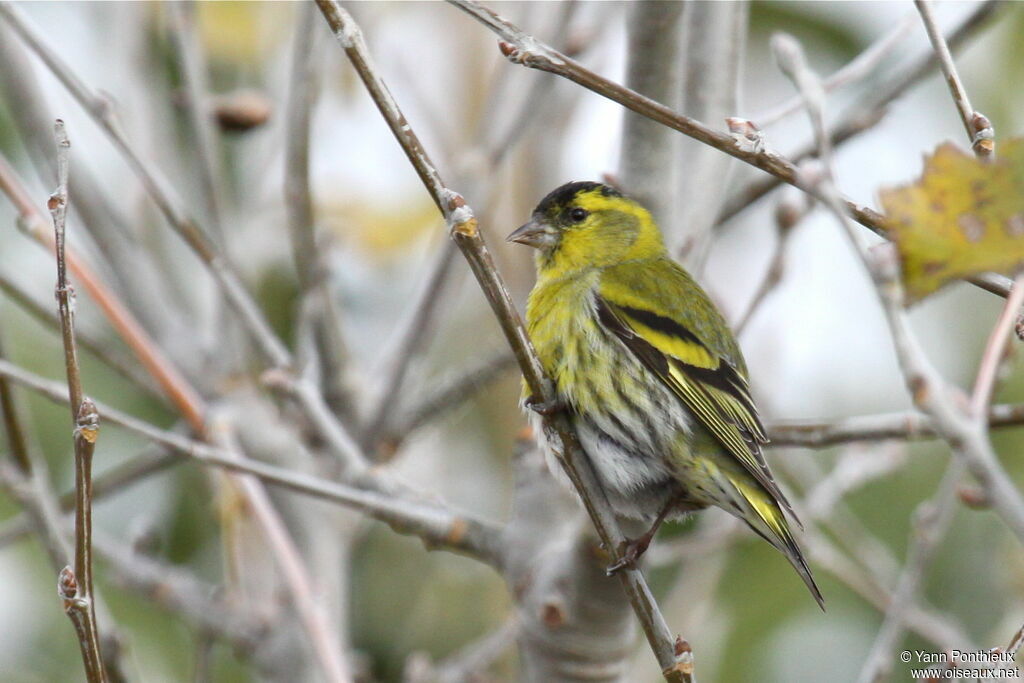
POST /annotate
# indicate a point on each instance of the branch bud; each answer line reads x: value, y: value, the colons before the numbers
x: 983, y: 140
x: 87, y: 424
x: 746, y: 133
x: 684, y: 658
x: 67, y: 584
x: 974, y: 497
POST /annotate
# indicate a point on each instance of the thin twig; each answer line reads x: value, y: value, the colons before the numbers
x: 522, y: 48
x: 932, y: 520
x: 180, y: 593
x: 995, y: 350
x: 101, y: 350
x: 17, y: 441
x: 124, y: 258
x: 168, y: 587
x: 465, y: 231
x: 449, y: 395
x: 966, y: 437
x: 413, y: 337
x: 324, y: 639
x: 101, y: 110
x: 192, y: 64
x: 112, y: 481
x: 174, y: 385
x: 864, y: 115
x: 436, y: 524
x: 924, y: 382
x: 75, y: 587
x: 908, y: 425
x: 179, y: 391
x: 787, y: 214
x: 1012, y: 649
x: 857, y: 68
x: 942, y: 53
x: 318, y: 307
x: 415, y: 331
x: 297, y: 190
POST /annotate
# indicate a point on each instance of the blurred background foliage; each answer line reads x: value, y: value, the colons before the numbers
x: 818, y: 348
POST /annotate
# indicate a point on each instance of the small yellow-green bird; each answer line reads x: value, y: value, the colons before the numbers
x: 647, y: 369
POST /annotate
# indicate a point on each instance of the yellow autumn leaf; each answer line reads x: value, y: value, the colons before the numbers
x: 963, y: 217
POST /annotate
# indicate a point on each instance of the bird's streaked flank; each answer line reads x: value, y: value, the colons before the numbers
x: 647, y: 368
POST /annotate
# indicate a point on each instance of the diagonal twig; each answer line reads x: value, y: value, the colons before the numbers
x: 854, y: 70
x: 867, y: 113
x: 436, y: 524
x: 945, y: 58
x: 932, y: 520
x: 103, y: 352
x: 967, y: 438
x: 465, y: 231
x: 178, y: 390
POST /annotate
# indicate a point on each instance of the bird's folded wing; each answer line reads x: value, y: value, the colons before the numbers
x: 708, y: 385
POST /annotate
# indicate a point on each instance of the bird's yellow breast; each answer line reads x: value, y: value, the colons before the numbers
x: 558, y: 317
x: 573, y: 350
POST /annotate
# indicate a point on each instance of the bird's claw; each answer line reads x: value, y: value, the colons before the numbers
x: 546, y: 408
x: 630, y: 552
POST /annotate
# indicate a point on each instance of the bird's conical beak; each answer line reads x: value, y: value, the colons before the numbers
x: 534, y: 234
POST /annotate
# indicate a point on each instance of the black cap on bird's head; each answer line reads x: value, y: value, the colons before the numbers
x: 562, y: 196
x: 557, y: 211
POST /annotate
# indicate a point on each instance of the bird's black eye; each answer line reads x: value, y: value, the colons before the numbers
x: 577, y: 214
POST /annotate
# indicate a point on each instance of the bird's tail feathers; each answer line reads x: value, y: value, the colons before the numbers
x: 763, y: 514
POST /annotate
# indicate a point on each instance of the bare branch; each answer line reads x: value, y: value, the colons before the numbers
x: 102, y: 351
x: 787, y: 215
x: 413, y: 338
x: 956, y: 86
x: 967, y: 437
x: 128, y: 266
x: 436, y: 524
x: 177, y: 389
x: 75, y: 587
x: 1013, y: 648
x: 522, y: 48
x: 297, y: 190
x: 324, y: 640
x: 995, y: 350
x: 866, y: 114
x: 192, y: 63
x: 932, y: 520
x: 854, y: 70
x: 112, y: 481
x: 171, y: 381
x: 465, y: 231
x: 910, y: 425
x: 170, y: 206
x: 17, y: 441
x: 449, y: 395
